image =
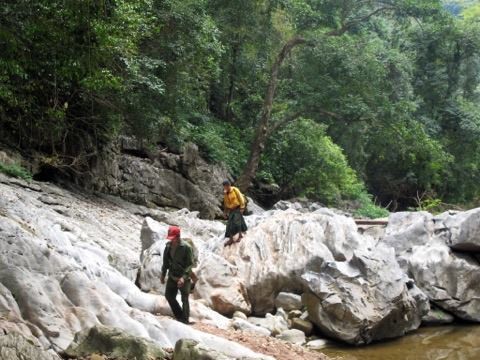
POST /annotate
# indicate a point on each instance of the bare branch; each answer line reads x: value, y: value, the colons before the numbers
x: 277, y: 125
x: 345, y: 27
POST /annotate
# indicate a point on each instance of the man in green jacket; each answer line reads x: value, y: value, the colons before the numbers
x: 178, y: 261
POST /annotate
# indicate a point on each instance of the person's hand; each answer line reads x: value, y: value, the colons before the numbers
x: 242, y: 211
x: 162, y: 279
x: 225, y: 216
x: 180, y: 282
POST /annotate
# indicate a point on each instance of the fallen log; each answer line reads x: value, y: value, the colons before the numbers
x: 371, y: 222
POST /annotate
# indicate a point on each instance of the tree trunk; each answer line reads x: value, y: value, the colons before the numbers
x: 233, y: 73
x: 261, y: 132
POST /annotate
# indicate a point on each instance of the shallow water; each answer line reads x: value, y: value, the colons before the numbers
x: 430, y: 343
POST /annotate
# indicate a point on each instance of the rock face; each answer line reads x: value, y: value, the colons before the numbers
x: 427, y: 247
x: 273, y: 323
x: 293, y: 336
x: 437, y: 316
x: 362, y: 300
x: 113, y: 343
x: 280, y: 248
x: 463, y: 230
x: 219, y: 284
x: 288, y: 301
x: 160, y: 178
x: 450, y: 280
x: 70, y: 266
x: 302, y: 325
x: 14, y: 346
x: 187, y: 349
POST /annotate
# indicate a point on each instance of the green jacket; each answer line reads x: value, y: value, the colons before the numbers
x: 180, y: 265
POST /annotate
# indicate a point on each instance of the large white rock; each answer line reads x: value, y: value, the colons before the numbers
x: 362, y: 300
x: 273, y: 323
x: 288, y: 301
x: 424, y: 243
x: 451, y: 280
x: 282, y: 245
x: 293, y: 336
x: 219, y: 284
x: 244, y: 325
x: 70, y: 266
x: 463, y: 230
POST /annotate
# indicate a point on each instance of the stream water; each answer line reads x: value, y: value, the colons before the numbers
x: 429, y: 343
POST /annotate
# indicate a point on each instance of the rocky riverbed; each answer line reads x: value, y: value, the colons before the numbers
x: 69, y: 261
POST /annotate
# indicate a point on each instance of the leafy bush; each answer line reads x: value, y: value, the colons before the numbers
x: 15, y: 170
x: 368, y: 208
x: 304, y: 161
x: 220, y: 142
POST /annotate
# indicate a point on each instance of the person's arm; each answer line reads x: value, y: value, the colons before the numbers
x: 166, y: 264
x: 188, y: 262
x: 225, y: 208
x: 241, y: 198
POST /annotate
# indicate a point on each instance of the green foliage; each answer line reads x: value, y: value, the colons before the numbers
x: 219, y: 142
x: 304, y: 161
x: 368, y: 208
x: 15, y: 170
x: 390, y: 89
x: 430, y: 204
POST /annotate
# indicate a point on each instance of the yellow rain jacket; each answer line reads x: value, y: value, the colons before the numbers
x: 233, y: 199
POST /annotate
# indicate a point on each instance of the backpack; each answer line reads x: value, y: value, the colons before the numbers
x: 245, y: 199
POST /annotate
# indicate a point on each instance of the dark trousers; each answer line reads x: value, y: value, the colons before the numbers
x: 236, y: 223
x: 171, y: 290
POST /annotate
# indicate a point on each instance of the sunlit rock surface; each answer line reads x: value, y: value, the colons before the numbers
x: 320, y: 253
x: 428, y: 248
x: 70, y: 266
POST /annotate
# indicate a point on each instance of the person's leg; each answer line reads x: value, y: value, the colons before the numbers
x: 185, y: 291
x: 171, y: 291
x: 243, y: 227
x: 229, y: 232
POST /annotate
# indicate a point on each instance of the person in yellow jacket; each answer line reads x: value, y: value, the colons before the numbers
x: 234, y: 206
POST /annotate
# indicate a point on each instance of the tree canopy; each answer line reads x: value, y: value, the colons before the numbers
x: 328, y: 99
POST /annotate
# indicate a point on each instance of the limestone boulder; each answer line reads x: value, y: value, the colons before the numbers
x: 159, y: 178
x: 449, y: 279
x: 362, y: 300
x: 114, y: 343
x: 244, y: 325
x: 425, y: 247
x: 14, y: 346
x: 462, y: 230
x: 293, y: 336
x: 274, y: 324
x: 408, y: 229
x: 294, y: 314
x: 288, y: 301
x: 281, y: 245
x: 240, y: 315
x: 151, y: 232
x: 62, y: 274
x: 302, y: 325
x: 221, y: 286
x: 188, y: 349
x: 317, y: 344
x: 437, y: 316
